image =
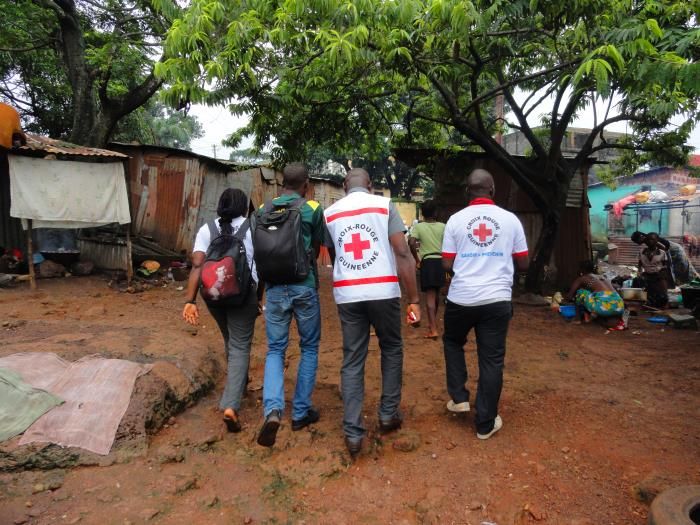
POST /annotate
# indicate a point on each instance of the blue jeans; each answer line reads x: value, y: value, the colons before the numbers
x: 283, y: 301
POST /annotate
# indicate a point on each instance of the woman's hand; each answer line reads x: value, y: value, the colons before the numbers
x: 191, y: 314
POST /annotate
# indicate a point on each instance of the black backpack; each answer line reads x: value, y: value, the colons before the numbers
x: 280, y: 254
x: 226, y: 277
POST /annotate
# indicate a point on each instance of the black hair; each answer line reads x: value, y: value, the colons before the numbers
x: 294, y: 175
x: 429, y: 209
x: 637, y: 237
x: 587, y: 266
x: 233, y: 203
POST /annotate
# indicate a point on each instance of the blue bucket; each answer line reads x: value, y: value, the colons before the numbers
x: 567, y: 311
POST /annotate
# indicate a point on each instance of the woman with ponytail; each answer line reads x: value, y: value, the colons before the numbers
x: 235, y: 322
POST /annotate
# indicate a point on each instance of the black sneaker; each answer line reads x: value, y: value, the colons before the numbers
x: 312, y: 416
x: 268, y: 432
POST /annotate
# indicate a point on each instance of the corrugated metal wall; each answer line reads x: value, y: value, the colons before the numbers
x: 11, y: 233
x: 165, y: 192
x: 325, y: 193
x: 259, y: 184
x: 105, y: 255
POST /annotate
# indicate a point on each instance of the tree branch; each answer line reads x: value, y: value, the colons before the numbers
x: 515, y: 108
x: 587, y: 149
x: 547, y: 93
x: 24, y: 49
x: 515, y: 82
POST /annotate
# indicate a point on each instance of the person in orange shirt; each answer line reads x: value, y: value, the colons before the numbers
x: 11, y: 134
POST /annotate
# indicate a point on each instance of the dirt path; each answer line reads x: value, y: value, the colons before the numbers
x: 594, y: 424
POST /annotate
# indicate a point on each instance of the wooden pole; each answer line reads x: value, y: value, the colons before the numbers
x: 30, y: 256
x: 129, y: 259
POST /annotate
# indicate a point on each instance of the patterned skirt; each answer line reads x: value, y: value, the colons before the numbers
x: 604, y: 304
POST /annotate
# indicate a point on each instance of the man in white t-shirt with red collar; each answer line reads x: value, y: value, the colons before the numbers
x: 482, y: 243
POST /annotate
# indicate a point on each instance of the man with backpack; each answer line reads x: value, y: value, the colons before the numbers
x: 369, y: 252
x: 287, y: 235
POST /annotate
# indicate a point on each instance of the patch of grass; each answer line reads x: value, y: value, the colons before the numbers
x: 563, y: 355
x: 277, y: 489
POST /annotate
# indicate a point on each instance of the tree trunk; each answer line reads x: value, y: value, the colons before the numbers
x: 410, y: 184
x: 543, y: 252
x: 101, y: 132
x: 95, y: 114
x: 84, y: 101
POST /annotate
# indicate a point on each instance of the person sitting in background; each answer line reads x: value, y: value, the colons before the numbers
x: 653, y: 262
x: 596, y: 296
x: 425, y: 242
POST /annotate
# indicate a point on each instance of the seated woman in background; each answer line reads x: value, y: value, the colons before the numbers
x: 597, y: 297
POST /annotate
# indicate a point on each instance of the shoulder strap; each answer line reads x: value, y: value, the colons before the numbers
x: 242, y: 230
x: 213, y: 230
x: 298, y: 203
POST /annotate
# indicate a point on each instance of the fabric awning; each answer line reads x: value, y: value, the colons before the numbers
x: 68, y: 194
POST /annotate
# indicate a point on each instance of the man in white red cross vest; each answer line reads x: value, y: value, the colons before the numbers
x: 481, y: 244
x: 366, y: 240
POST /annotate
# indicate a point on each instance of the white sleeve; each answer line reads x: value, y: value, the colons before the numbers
x: 519, y: 240
x: 449, y: 243
x: 202, y: 240
x: 248, y: 243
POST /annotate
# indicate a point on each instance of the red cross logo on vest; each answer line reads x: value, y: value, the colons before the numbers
x: 482, y: 232
x: 357, y: 246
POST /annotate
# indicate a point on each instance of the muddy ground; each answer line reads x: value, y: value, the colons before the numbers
x: 594, y: 425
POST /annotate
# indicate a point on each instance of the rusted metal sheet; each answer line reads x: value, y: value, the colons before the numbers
x: 325, y: 192
x: 106, y: 255
x: 573, y: 244
x: 168, y: 216
x: 174, y: 192
x: 191, y: 200
x: 37, y: 143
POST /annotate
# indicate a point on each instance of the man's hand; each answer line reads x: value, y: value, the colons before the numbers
x: 413, y: 314
x: 191, y: 314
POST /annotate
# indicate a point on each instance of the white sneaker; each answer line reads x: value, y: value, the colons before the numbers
x: 458, y: 407
x: 497, y: 424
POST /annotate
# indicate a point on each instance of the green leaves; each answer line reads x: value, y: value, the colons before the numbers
x: 427, y: 72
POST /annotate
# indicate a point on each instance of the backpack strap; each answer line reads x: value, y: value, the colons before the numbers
x: 242, y: 230
x: 298, y: 203
x: 213, y: 230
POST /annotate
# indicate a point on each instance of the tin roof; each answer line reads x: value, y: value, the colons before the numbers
x: 37, y: 143
x: 224, y: 165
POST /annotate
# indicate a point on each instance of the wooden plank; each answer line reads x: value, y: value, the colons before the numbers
x: 30, y: 256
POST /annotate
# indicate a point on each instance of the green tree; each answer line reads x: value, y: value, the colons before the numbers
x: 427, y: 72
x: 74, y: 69
x: 157, y: 124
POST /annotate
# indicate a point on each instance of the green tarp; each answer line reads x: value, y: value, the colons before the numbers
x: 21, y: 404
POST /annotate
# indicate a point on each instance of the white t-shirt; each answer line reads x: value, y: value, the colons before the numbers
x: 482, y: 239
x: 203, y: 239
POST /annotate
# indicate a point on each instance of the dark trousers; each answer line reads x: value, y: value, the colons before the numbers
x: 237, y: 324
x: 355, y: 321
x: 490, y: 322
